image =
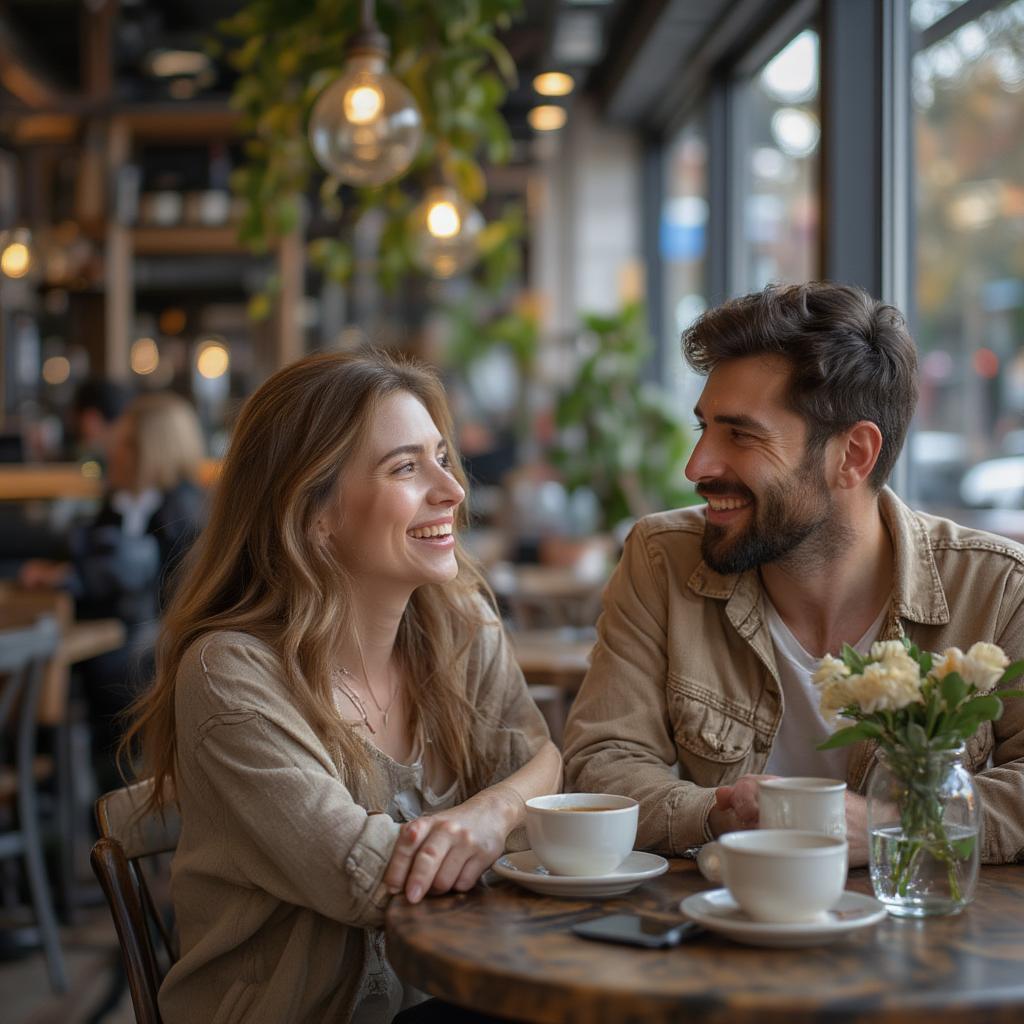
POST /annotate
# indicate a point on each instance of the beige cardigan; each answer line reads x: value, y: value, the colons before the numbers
x: 277, y: 876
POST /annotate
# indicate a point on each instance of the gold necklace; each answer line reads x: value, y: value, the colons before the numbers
x: 354, y: 700
x: 357, y: 702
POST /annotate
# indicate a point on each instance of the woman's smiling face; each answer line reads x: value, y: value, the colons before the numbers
x: 392, y: 524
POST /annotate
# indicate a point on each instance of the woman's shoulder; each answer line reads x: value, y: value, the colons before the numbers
x: 226, y: 670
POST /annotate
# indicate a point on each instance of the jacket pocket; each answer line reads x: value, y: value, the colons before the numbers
x: 702, y: 725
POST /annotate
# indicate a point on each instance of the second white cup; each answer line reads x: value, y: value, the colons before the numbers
x: 813, y: 805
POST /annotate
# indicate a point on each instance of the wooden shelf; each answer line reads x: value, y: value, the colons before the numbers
x: 66, y: 480
x: 181, y: 123
x: 183, y: 240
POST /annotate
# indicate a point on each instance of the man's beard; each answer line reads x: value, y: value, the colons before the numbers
x: 794, y: 519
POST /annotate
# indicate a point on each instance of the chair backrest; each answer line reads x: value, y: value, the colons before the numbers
x: 24, y: 654
x: 129, y: 840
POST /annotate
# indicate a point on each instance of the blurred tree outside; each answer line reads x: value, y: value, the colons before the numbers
x: 968, y: 90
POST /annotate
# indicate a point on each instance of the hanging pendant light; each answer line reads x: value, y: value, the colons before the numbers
x: 365, y: 128
x: 445, y: 229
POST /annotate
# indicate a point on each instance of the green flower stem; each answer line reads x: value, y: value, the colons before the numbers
x: 921, y: 820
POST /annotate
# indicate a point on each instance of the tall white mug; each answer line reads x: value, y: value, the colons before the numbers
x: 811, y: 805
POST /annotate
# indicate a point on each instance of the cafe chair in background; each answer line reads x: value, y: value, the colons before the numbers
x: 25, y: 654
x: 130, y: 860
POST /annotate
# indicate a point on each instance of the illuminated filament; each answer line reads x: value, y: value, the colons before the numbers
x: 443, y: 220
x: 363, y: 104
x: 16, y: 260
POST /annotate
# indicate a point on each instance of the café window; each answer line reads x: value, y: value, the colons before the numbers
x: 778, y: 134
x: 682, y: 239
x: 968, y: 99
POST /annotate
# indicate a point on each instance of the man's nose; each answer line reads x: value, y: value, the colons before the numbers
x: 704, y: 463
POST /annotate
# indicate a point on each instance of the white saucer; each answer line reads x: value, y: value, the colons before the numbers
x: 718, y: 912
x: 525, y: 869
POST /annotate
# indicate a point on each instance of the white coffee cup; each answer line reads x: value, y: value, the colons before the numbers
x: 582, y: 833
x: 813, y: 805
x: 782, y: 876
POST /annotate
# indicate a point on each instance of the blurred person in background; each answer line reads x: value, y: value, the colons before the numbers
x: 96, y: 407
x: 122, y: 561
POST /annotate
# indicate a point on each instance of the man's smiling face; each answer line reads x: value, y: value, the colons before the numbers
x: 767, y: 495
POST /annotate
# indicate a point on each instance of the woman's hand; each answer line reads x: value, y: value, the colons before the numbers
x: 37, y: 573
x: 452, y: 849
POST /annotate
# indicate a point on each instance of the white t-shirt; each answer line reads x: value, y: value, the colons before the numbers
x: 803, y: 727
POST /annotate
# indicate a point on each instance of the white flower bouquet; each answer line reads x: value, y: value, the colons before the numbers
x: 916, y: 705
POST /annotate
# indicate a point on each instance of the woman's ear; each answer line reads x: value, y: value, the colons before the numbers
x: 860, y: 447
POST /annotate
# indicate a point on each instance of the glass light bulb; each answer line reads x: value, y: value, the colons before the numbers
x: 365, y: 127
x: 444, y: 230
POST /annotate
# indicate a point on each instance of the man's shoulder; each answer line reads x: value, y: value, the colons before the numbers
x: 947, y: 536
x: 671, y: 538
x: 676, y: 526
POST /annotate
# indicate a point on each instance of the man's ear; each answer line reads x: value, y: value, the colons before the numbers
x: 859, y: 448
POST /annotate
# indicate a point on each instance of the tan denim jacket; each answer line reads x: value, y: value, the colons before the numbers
x: 683, y: 692
x: 277, y: 877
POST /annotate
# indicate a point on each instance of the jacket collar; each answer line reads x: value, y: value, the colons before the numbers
x: 917, y: 590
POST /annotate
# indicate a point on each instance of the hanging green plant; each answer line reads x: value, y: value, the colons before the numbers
x: 445, y: 52
x: 618, y: 435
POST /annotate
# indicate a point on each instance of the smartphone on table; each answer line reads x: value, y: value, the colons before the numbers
x: 637, y: 930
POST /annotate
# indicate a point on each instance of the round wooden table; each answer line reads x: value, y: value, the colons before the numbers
x: 505, y: 951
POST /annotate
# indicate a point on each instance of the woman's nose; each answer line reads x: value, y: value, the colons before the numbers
x: 447, y: 490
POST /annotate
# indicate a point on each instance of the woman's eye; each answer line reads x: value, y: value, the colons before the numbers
x: 405, y: 467
x: 699, y: 427
x: 444, y: 460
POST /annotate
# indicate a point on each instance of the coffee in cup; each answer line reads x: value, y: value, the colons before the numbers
x: 582, y: 833
x: 781, y: 876
x: 809, y: 804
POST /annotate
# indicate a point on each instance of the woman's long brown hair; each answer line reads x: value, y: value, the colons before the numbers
x: 260, y: 567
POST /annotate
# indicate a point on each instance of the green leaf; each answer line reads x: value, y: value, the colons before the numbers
x: 854, y: 661
x: 986, y: 707
x: 1014, y: 671
x: 954, y: 689
x: 843, y: 738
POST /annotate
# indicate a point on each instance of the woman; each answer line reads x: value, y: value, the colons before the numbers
x: 329, y: 668
x: 122, y: 561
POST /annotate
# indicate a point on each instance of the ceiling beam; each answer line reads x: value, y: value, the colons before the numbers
x: 21, y: 75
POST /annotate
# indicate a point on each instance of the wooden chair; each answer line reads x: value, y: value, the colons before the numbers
x: 25, y: 654
x: 128, y: 844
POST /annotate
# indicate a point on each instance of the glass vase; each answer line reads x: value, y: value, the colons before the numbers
x: 924, y: 825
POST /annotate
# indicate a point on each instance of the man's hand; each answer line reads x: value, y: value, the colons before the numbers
x: 451, y: 849
x: 736, y: 805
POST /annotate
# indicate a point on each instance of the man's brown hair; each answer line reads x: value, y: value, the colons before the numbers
x: 852, y: 357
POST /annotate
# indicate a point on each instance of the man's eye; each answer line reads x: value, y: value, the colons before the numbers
x: 741, y: 435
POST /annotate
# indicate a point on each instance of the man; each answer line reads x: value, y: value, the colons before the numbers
x: 716, y: 616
